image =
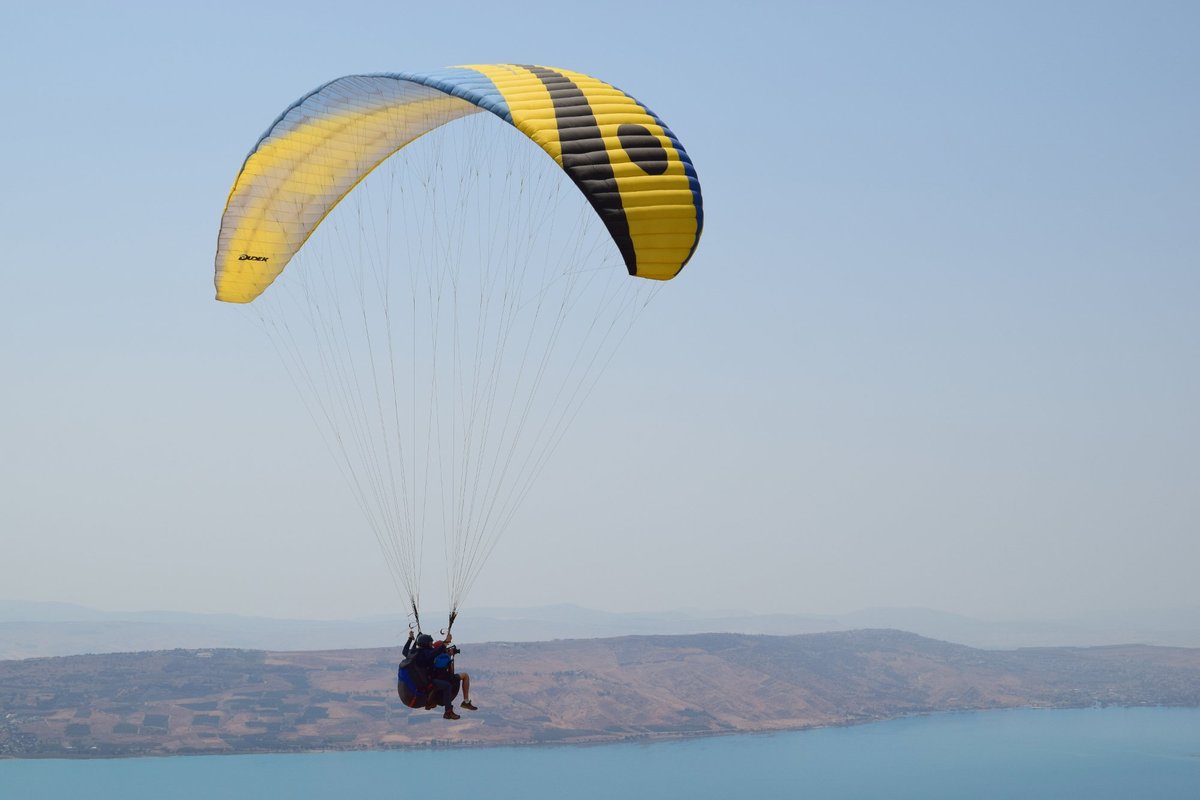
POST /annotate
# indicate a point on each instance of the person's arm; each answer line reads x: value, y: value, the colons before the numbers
x: 408, y: 645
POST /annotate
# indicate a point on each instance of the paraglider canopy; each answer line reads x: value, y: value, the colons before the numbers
x: 627, y: 163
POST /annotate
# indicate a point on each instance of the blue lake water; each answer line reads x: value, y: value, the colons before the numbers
x: 1086, y: 753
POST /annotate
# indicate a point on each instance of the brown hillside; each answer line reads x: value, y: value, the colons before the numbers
x: 564, y: 691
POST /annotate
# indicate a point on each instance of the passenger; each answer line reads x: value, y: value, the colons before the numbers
x: 443, y: 670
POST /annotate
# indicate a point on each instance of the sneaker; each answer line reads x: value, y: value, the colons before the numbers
x: 450, y: 714
x: 468, y: 705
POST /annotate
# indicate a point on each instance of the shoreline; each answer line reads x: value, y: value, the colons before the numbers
x: 644, y: 738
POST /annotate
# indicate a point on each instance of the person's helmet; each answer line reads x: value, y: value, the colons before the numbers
x: 424, y: 640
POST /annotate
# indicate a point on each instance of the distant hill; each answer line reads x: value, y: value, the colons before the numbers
x: 29, y: 630
x: 236, y: 701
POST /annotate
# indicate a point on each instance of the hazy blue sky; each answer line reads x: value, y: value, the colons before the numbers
x: 939, y: 345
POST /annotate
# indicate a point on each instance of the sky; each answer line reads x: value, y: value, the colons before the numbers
x: 937, y: 348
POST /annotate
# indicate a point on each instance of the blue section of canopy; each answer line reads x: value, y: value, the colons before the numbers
x: 471, y: 85
x: 462, y: 82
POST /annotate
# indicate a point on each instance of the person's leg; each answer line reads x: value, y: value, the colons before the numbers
x: 445, y: 690
x: 466, y: 688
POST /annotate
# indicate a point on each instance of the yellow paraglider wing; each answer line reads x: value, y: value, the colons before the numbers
x: 627, y: 163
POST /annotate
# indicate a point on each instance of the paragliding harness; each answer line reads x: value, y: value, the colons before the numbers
x: 414, y: 680
x: 414, y: 685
